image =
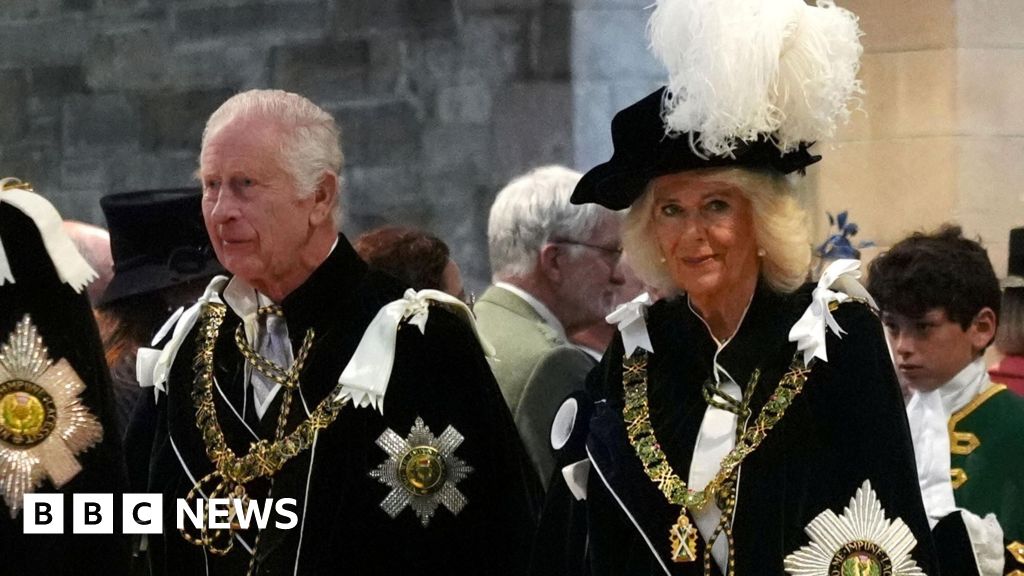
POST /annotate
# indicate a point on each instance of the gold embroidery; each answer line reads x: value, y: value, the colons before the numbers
x: 958, y: 477
x: 1016, y: 549
x: 959, y: 443
x: 963, y: 443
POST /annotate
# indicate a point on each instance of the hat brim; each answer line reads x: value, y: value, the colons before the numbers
x: 153, y: 278
x: 613, y: 186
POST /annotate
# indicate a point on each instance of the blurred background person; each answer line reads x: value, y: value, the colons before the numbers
x: 162, y: 261
x: 595, y: 338
x: 93, y: 244
x: 1009, y: 370
x: 556, y: 270
x: 416, y: 257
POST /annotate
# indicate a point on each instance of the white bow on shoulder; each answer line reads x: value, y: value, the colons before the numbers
x: 365, y: 379
x: 631, y: 318
x: 72, y: 269
x: 809, y: 330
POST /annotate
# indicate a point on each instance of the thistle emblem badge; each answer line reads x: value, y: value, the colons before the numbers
x: 43, y: 424
x: 422, y: 471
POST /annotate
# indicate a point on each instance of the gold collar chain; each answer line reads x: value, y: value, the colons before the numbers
x: 636, y: 413
x: 288, y: 378
x: 264, y: 459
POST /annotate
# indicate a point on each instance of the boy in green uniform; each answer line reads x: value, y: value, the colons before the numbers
x: 940, y: 299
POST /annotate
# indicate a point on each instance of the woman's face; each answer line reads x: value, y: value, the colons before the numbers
x: 705, y: 231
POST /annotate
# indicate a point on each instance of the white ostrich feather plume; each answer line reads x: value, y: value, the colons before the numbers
x: 740, y: 69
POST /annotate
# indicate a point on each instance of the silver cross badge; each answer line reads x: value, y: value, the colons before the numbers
x: 422, y: 471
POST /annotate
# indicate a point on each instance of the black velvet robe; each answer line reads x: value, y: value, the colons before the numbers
x: 847, y: 426
x: 441, y: 376
x: 64, y: 320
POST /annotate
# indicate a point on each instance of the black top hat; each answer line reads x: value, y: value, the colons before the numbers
x: 158, y: 240
x: 642, y: 152
x: 1015, y: 263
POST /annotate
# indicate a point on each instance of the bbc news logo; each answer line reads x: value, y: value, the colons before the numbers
x: 143, y: 513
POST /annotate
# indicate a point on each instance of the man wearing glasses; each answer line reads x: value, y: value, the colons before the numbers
x: 556, y: 270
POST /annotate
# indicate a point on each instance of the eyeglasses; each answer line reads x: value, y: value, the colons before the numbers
x: 614, y: 253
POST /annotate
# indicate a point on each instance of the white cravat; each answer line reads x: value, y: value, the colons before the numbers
x: 928, y: 414
x: 275, y: 346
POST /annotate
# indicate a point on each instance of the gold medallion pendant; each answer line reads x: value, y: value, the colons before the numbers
x: 860, y: 542
x: 43, y: 423
x: 683, y: 536
x: 422, y: 471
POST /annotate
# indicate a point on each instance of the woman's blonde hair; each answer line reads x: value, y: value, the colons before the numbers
x: 780, y: 230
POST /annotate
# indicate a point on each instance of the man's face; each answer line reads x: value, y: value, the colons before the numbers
x: 257, y: 222
x: 591, y: 275
x: 929, y: 350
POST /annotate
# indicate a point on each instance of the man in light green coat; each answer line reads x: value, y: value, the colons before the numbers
x: 556, y: 270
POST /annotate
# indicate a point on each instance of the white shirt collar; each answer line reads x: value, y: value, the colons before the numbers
x: 545, y: 313
x: 965, y: 386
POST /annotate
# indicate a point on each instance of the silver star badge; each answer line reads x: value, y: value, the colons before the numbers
x: 43, y: 423
x: 860, y: 542
x: 422, y: 471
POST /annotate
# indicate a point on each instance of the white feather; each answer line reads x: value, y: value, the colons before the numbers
x: 739, y: 69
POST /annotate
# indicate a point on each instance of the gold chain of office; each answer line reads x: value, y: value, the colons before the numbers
x: 264, y: 458
x: 636, y: 413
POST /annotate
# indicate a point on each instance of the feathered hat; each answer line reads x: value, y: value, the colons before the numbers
x: 751, y: 83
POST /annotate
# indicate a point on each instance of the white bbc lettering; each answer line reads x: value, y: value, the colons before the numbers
x: 244, y: 515
x: 43, y: 514
x: 290, y: 514
x: 220, y: 508
x: 221, y: 513
x: 142, y: 514
x: 92, y: 514
x: 198, y: 518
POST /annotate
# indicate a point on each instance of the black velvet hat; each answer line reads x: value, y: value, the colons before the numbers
x: 158, y: 240
x: 642, y: 152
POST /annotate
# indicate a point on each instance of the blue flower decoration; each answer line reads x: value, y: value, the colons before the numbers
x: 838, y: 244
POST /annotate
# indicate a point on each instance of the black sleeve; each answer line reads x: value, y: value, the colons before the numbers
x: 443, y: 378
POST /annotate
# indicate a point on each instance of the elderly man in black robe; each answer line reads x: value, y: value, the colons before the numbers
x: 367, y: 410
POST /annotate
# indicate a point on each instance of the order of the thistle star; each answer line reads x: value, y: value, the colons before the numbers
x: 422, y: 471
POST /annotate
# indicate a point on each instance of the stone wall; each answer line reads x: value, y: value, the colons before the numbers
x: 440, y: 101
x: 941, y: 139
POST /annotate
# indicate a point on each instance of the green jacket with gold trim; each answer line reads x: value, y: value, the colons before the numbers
x: 987, y: 445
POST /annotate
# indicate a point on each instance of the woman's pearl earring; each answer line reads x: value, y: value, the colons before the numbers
x: 761, y: 252
x: 663, y: 260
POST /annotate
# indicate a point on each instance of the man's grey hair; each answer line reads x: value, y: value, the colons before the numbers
x: 531, y: 211
x: 310, y: 141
